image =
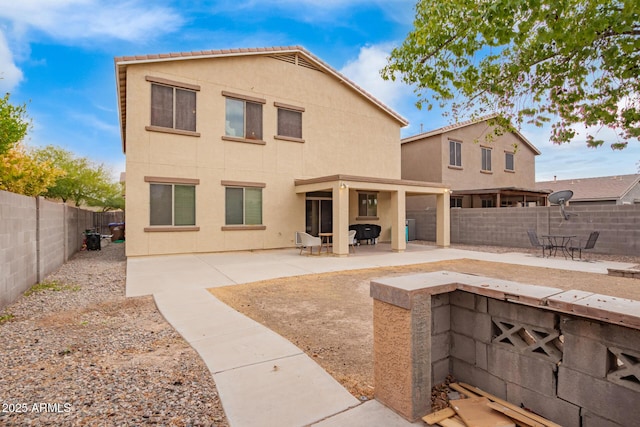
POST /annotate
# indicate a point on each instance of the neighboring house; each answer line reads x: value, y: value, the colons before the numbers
x: 239, y: 149
x: 481, y: 174
x: 604, y: 190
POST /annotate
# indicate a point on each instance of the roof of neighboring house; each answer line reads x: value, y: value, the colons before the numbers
x: 592, y: 189
x: 466, y: 123
x: 287, y: 53
x: 502, y: 190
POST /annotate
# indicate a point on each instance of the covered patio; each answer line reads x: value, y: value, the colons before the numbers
x: 500, y: 197
x: 346, y: 193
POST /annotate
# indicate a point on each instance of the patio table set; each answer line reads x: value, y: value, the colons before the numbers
x: 566, y: 244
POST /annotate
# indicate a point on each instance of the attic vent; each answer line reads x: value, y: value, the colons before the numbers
x: 290, y: 58
x: 294, y: 58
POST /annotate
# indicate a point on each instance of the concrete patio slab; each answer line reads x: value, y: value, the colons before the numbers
x: 369, y: 414
x: 292, y: 391
x: 263, y: 379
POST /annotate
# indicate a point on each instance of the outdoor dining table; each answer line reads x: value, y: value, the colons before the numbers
x: 560, y: 241
x: 325, y: 240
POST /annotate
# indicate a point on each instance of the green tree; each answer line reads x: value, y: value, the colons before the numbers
x: 530, y: 61
x: 22, y: 173
x: 84, y: 181
x: 14, y: 124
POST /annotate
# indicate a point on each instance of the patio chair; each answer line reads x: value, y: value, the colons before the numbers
x: 591, y: 242
x: 535, y: 242
x: 352, y: 240
x: 307, y: 241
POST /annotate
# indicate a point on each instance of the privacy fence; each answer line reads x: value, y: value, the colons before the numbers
x: 37, y: 236
x: 619, y: 226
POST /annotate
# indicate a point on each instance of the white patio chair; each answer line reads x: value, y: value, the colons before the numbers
x: 307, y: 241
x: 352, y: 240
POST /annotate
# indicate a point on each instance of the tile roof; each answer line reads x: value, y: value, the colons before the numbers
x: 463, y: 124
x: 311, y: 61
x: 600, y: 188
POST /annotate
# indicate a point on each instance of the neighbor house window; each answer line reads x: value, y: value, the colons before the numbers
x: 509, y: 162
x: 289, y: 121
x: 243, y: 116
x: 368, y: 204
x: 486, y: 158
x: 455, y: 153
x: 488, y: 203
x: 455, y: 202
x: 173, y: 105
x: 243, y: 206
x: 172, y: 204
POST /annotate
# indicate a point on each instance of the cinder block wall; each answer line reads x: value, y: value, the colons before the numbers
x: 618, y: 226
x: 570, y: 356
x: 18, y: 255
x: 36, y: 237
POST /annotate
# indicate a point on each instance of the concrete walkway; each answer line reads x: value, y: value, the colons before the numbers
x: 263, y: 379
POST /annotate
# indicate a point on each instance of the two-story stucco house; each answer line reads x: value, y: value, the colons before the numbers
x: 239, y: 149
x: 481, y: 174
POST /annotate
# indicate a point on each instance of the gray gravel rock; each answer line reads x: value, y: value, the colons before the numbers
x: 78, y: 353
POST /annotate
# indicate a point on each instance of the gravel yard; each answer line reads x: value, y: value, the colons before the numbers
x: 76, y: 352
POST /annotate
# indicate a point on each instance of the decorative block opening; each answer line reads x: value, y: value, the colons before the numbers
x: 624, y: 368
x: 529, y: 339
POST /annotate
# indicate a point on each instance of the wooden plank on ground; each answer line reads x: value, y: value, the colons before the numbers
x: 545, y: 422
x: 438, y: 416
x: 460, y: 389
x: 452, y: 422
x: 475, y: 413
x: 517, y: 416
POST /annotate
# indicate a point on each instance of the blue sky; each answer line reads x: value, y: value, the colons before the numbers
x: 57, y: 56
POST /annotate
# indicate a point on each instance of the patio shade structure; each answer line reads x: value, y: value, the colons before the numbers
x: 343, y: 187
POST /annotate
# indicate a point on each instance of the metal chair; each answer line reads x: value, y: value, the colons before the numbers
x: 535, y: 242
x: 591, y: 242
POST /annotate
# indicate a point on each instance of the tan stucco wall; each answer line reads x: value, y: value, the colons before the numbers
x: 343, y: 132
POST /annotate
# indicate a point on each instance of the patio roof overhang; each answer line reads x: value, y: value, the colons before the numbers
x: 369, y: 183
x: 399, y: 190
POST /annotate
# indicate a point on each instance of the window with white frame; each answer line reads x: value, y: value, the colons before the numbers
x: 455, y: 153
x: 509, y: 163
x: 486, y: 158
x: 455, y: 202
x: 173, y: 107
x: 172, y: 204
x: 243, y: 116
x: 368, y: 204
x: 243, y: 206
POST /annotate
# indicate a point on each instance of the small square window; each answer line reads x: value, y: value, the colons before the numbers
x: 368, y: 204
x: 289, y: 123
x: 172, y: 204
x: 243, y: 206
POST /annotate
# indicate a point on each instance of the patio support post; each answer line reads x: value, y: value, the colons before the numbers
x: 398, y: 218
x: 340, y: 220
x: 443, y: 219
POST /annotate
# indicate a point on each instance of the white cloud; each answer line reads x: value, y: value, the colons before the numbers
x: 80, y: 20
x: 10, y: 74
x: 365, y: 72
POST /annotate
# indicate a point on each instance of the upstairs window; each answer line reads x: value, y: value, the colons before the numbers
x: 455, y: 153
x: 486, y: 159
x: 509, y: 163
x: 289, y: 121
x: 243, y: 116
x: 173, y: 107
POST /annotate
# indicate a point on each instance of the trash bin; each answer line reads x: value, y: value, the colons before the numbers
x: 93, y: 241
x: 117, y: 231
